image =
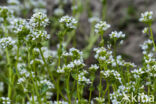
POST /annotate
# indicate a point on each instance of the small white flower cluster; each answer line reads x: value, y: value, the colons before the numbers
x: 82, y: 78
x: 59, y: 12
x: 149, y: 58
x: 109, y: 74
x: 66, y: 68
x: 7, y: 42
x: 46, y: 82
x: 94, y: 67
x: 36, y: 100
x: 145, y: 30
x: 100, y: 100
x: 77, y: 61
x: 24, y: 74
x: 119, y: 94
x: 137, y: 72
x: 117, y: 35
x: 104, y: 55
x: 101, y: 27
x: 5, y: 100
x: 74, y: 53
x: 38, y: 35
x: 146, y: 45
x: 154, y: 67
x: 70, y: 66
x: 39, y: 20
x: 19, y: 25
x: 60, y: 102
x: 39, y: 61
x: 101, y: 53
x: 66, y: 54
x: 94, y: 19
x: 69, y: 22
x: 121, y: 62
x: 146, y: 16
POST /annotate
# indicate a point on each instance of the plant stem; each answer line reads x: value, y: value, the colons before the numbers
x: 9, y: 63
x: 102, y: 41
x: 68, y: 89
x: 152, y: 37
x: 10, y: 74
x: 90, y: 93
x: 104, y: 9
x: 58, y: 81
x: 78, y: 95
x: 100, y: 85
x: 107, y: 87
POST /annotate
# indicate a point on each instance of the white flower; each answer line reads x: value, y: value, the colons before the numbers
x: 116, y: 34
x: 146, y: 45
x: 82, y: 78
x: 60, y: 102
x: 60, y: 70
x: 7, y: 42
x: 69, y: 22
x: 39, y: 19
x: 101, y: 27
x: 145, y: 30
x: 21, y: 80
x: 47, y: 82
x: 66, y: 54
x: 146, y: 16
x: 5, y: 100
x: 19, y: 25
x: 94, y: 67
x: 100, y: 100
x: 38, y: 36
x: 78, y: 63
x: 110, y: 73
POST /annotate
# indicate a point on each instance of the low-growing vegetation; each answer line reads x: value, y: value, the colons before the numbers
x: 31, y: 72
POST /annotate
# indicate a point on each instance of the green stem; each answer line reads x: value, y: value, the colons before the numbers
x: 78, y: 95
x: 107, y: 87
x: 90, y: 93
x: 102, y: 41
x: 100, y: 85
x: 10, y: 74
x: 152, y: 37
x: 68, y: 89
x: 58, y: 81
x: 9, y: 63
x: 104, y: 9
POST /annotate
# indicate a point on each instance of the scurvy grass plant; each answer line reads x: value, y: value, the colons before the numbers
x: 32, y: 73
